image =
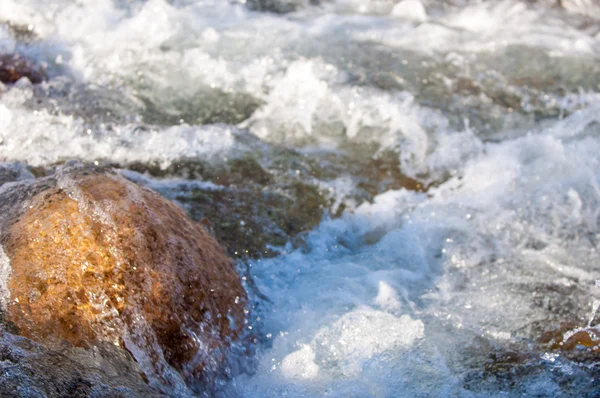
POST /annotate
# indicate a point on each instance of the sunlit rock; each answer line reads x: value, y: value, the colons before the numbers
x: 96, y: 258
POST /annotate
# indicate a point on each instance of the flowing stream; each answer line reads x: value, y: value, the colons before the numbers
x: 414, y: 187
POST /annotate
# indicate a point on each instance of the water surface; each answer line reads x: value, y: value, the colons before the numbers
x: 435, y: 165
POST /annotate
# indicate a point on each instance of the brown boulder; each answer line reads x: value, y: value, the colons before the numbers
x: 96, y: 258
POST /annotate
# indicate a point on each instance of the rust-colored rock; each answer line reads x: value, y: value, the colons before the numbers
x: 96, y: 258
x: 588, y: 338
x: 572, y: 339
x: 13, y: 67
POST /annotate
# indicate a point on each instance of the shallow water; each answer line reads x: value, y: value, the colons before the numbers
x: 445, y: 154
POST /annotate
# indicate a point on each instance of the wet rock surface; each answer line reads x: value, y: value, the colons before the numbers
x: 280, y: 6
x: 505, y: 370
x: 14, y: 67
x: 31, y: 370
x: 96, y: 259
x: 574, y: 342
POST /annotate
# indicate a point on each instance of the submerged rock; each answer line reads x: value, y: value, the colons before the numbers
x: 95, y: 258
x: 10, y: 172
x: 574, y: 342
x: 255, y: 205
x: 280, y: 6
x: 14, y: 66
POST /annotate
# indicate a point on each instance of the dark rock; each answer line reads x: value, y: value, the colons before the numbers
x: 14, y: 66
x: 280, y: 6
x: 28, y: 369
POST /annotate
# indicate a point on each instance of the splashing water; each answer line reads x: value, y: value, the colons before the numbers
x: 456, y: 143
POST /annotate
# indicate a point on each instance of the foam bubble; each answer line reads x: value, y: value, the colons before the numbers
x: 300, y: 364
x: 360, y: 335
x: 387, y: 298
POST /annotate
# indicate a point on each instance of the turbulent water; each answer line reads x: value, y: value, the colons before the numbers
x: 452, y: 146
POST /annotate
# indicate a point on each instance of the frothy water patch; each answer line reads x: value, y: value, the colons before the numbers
x: 43, y: 137
x: 5, y: 270
x: 486, y: 255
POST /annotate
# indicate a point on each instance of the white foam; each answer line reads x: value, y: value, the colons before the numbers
x: 135, y: 47
x: 300, y: 364
x: 43, y: 138
x: 474, y: 251
x: 585, y: 7
x: 410, y: 9
x: 5, y: 270
x: 387, y: 298
x: 309, y: 105
x: 362, y: 334
x: 486, y: 26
